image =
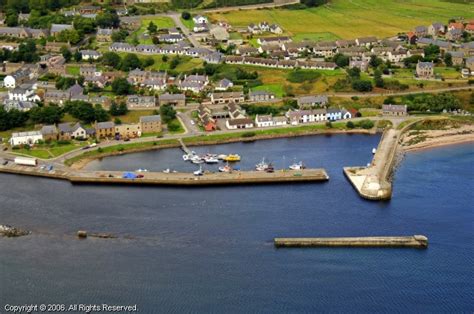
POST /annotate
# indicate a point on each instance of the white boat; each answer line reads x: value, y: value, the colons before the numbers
x: 185, y: 157
x: 374, y: 150
x: 221, y: 157
x: 197, y: 160
x: 141, y: 170
x: 225, y: 168
x: 166, y: 170
x: 198, y: 172
x: 261, y: 166
x: 211, y: 160
x: 297, y: 166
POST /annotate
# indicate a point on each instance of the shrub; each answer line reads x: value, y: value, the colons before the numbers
x: 350, y: 125
x: 329, y: 124
x: 300, y: 76
x: 366, y: 124
x: 248, y: 134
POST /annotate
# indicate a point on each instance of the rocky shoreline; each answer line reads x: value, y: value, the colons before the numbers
x: 437, y: 138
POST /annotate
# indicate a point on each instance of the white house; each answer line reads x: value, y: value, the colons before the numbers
x: 23, y: 138
x: 333, y: 114
x: 90, y: 55
x: 199, y: 19
x: 16, y: 79
x: 22, y: 94
x: 280, y: 121
x: 242, y: 123
x: 263, y: 121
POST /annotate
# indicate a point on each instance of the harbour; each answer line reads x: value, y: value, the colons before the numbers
x: 416, y: 241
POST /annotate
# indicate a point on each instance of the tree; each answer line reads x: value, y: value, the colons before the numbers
x: 186, y: 15
x: 100, y: 114
x: 69, y: 35
x: 149, y: 61
x: 362, y: 85
x: 152, y: 28
x: 111, y: 59
x: 366, y: 124
x: 130, y: 62
x: 11, y: 119
x: 350, y: 125
x: 375, y: 61
x: 175, y: 62
x: 49, y: 115
x: 341, y: 60
x: 378, y: 80
x: 354, y: 73
x: 120, y: 35
x: 108, y: 20
x: 118, y: 109
x: 167, y: 113
x: 448, y: 60
x: 66, y: 53
x: 121, y: 86
x: 77, y: 56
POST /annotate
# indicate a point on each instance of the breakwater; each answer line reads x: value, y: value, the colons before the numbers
x: 416, y: 241
x: 173, y: 179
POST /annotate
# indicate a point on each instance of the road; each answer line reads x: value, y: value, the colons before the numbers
x: 438, y: 90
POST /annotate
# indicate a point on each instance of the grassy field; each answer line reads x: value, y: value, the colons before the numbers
x: 72, y: 70
x: 188, y: 23
x: 187, y: 63
x: 351, y: 19
x: 160, y: 22
x: 277, y: 89
x: 47, y: 151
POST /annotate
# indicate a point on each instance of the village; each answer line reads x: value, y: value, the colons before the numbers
x: 93, y: 64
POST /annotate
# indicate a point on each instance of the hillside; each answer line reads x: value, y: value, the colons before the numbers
x: 349, y: 19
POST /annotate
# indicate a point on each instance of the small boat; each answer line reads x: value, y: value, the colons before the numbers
x: 211, y: 160
x: 198, y: 172
x: 166, y: 170
x: 197, y: 160
x: 270, y: 168
x: 221, y: 157
x: 374, y: 150
x: 185, y: 157
x: 297, y: 166
x: 141, y: 170
x: 225, y: 168
x: 232, y: 157
x: 261, y: 166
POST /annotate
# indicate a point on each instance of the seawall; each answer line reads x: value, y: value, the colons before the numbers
x: 416, y: 241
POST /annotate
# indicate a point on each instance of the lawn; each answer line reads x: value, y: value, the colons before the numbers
x: 133, y: 116
x: 277, y: 89
x: 73, y: 70
x: 47, y: 151
x: 351, y: 19
x: 161, y: 22
x: 179, y: 130
x: 188, y: 23
x: 187, y: 63
x: 323, y: 36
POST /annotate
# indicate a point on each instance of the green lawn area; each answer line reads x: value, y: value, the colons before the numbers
x: 133, y: 116
x: 179, y: 130
x: 323, y: 36
x: 47, y: 151
x: 161, y: 22
x: 187, y: 63
x: 277, y: 89
x: 448, y: 73
x: 188, y: 23
x: 72, y: 70
x: 350, y: 19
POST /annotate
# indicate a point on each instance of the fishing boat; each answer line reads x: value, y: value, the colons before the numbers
x: 221, y: 157
x: 297, y: 166
x: 197, y: 160
x: 270, y: 168
x: 199, y: 172
x: 185, y: 157
x: 232, y: 157
x: 141, y: 170
x: 225, y: 168
x: 166, y: 170
x: 374, y: 150
x: 211, y: 160
x: 261, y: 166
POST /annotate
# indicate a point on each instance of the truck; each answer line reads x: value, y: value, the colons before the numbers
x: 26, y: 161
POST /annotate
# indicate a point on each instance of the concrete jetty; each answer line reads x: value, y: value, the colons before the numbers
x: 184, y: 147
x: 416, y: 241
x: 176, y: 179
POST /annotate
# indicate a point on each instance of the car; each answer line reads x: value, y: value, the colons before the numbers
x: 140, y: 176
x: 192, y: 122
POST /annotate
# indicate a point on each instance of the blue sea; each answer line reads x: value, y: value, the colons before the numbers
x: 210, y: 249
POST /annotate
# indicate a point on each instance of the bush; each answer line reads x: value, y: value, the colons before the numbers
x: 350, y: 125
x: 329, y: 124
x: 186, y: 15
x: 362, y: 86
x: 248, y: 134
x: 366, y: 124
x: 173, y: 126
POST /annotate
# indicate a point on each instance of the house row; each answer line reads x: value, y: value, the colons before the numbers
x: 296, y: 117
x: 286, y: 64
x: 150, y: 79
x: 264, y: 27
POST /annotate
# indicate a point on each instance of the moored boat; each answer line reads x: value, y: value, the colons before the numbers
x: 225, y: 168
x: 297, y: 166
x: 232, y: 157
x: 261, y: 166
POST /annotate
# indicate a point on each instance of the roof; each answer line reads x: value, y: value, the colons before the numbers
x: 49, y: 129
x: 154, y: 118
x: 264, y: 118
x: 313, y: 99
x: 240, y: 121
x: 168, y: 96
x: 395, y: 108
x: 65, y: 127
x: 425, y: 64
x: 57, y: 28
x: 105, y: 125
x: 29, y: 133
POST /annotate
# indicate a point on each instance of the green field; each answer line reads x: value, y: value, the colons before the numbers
x: 161, y: 22
x: 188, y: 23
x: 277, y: 89
x: 350, y: 19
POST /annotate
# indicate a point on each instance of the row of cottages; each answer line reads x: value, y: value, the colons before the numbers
x: 227, y: 97
x: 23, y: 32
x: 175, y: 100
x: 193, y: 83
x: 264, y: 121
x: 146, y: 124
x: 224, y: 85
x: 317, y: 115
x: 104, y: 35
x: 60, y: 97
x: 237, y: 118
x: 17, y: 78
x: 19, y: 105
x: 312, y: 101
x: 140, y: 102
x: 453, y: 31
x: 25, y: 138
x: 206, y: 119
x: 149, y: 79
x: 90, y: 55
x: 264, y: 27
x: 23, y: 94
x: 260, y: 96
x: 285, y: 64
x: 395, y: 110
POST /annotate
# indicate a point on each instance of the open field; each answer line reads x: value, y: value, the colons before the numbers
x: 350, y: 19
x: 47, y: 151
x: 160, y: 22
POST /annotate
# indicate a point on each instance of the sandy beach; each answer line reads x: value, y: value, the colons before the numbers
x: 437, y: 138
